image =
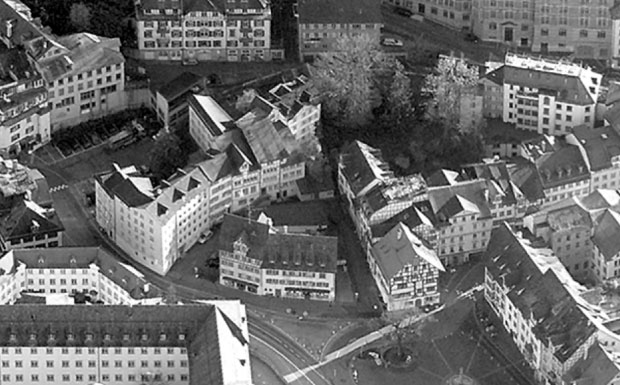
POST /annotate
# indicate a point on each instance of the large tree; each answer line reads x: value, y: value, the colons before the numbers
x: 451, y: 84
x: 166, y: 156
x: 346, y: 77
x: 80, y: 16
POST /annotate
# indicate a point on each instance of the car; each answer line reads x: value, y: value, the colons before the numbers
x: 471, y: 37
x: 391, y: 42
x: 403, y: 11
x: 204, y: 237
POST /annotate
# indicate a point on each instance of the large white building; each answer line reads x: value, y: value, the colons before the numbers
x: 83, y: 73
x: 235, y: 30
x: 544, y: 95
x: 405, y: 269
x: 256, y: 258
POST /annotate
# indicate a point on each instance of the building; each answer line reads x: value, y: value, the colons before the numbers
x: 504, y: 140
x: 171, y: 100
x: 405, y: 270
x: 83, y: 73
x: 29, y: 225
x: 255, y: 258
x: 115, y: 344
x: 536, y: 300
x: 24, y: 112
x: 492, y: 83
x: 544, y: 95
x: 455, y: 14
x: 18, y: 182
x: 323, y: 22
x: 207, y: 120
x: 190, y: 31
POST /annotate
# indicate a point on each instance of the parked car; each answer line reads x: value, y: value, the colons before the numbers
x: 403, y: 11
x: 391, y: 42
x: 204, y: 237
x: 471, y: 37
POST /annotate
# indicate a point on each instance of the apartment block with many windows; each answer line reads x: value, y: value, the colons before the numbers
x: 454, y: 14
x: 231, y: 30
x: 323, y: 22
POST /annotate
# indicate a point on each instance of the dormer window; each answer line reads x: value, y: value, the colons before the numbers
x: 89, y: 336
x: 145, y: 337
x: 182, y: 337
x: 126, y: 337
x: 162, y: 337
x: 33, y: 337
x: 73, y: 261
x: 51, y: 337
x: 70, y: 337
x: 13, y: 337
x: 107, y: 337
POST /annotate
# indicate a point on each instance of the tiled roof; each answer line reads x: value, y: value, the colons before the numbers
x: 28, y: 219
x: 596, y: 368
x: 183, y: 83
x: 614, y: 11
x: 496, y: 76
x: 339, y: 11
x: 211, y: 113
x: 120, y: 273
x: 362, y: 165
x: 605, y: 236
x: 400, y: 248
x: 443, y: 177
x: 499, y: 182
x: 566, y: 88
x: 565, y: 165
x: 468, y: 196
x: 526, y: 178
x: 538, y: 293
x: 14, y: 64
x: 280, y: 250
x: 420, y: 213
x: 22, y: 29
x: 120, y: 183
x: 600, y: 144
x: 601, y: 198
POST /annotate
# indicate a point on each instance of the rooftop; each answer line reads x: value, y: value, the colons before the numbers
x: 605, y: 236
x: 597, y: 367
x: 601, y: 144
x: 363, y: 165
x: 468, y: 196
x: 339, y: 11
x: 28, y: 219
x: 185, y: 82
x: 498, y: 132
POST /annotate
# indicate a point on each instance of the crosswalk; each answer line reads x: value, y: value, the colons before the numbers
x: 60, y: 187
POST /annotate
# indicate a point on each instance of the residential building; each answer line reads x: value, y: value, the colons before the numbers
x: 614, y: 12
x: 492, y: 83
x: 207, y: 120
x: 255, y: 258
x: 453, y: 14
x: 405, y: 270
x: 29, y: 225
x: 83, y: 73
x: 189, y: 31
x: 24, y: 112
x: 323, y: 22
x: 18, y: 182
x: 547, y: 96
x: 171, y: 100
x: 115, y: 344
x: 504, y: 140
x: 535, y: 298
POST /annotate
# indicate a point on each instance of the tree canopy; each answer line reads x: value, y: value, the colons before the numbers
x: 80, y: 16
x: 166, y: 156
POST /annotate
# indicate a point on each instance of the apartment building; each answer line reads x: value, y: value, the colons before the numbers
x: 176, y: 344
x: 18, y: 182
x: 606, y: 252
x: 405, y: 270
x: 235, y: 30
x: 24, y: 112
x: 454, y: 14
x: 91, y: 271
x: 255, y: 258
x: 83, y: 73
x: 171, y: 101
x: 29, y: 225
x: 547, y: 96
x: 614, y: 12
x: 207, y: 120
x: 323, y: 22
x: 534, y: 297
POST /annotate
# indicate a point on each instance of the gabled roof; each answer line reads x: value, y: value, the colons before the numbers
x: 339, y: 11
x: 28, y: 219
x: 597, y: 368
x: 267, y: 143
x: 468, y: 196
x: 540, y: 288
x: 443, y: 177
x: 606, y: 232
x: 362, y: 165
x: 562, y: 166
x: 566, y: 88
x: 525, y: 176
x: 496, y: 76
x: 599, y: 143
x: 129, y: 189
x: 211, y: 113
x: 400, y: 248
x: 601, y: 199
x: 418, y: 214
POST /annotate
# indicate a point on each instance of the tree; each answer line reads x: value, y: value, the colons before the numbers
x: 167, y: 156
x: 452, y: 82
x: 80, y: 16
x: 345, y: 77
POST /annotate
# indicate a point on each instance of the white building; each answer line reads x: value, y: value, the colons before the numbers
x: 405, y: 270
x: 255, y: 258
x: 547, y: 96
x: 236, y: 30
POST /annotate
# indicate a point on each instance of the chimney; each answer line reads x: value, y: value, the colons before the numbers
x: 9, y: 28
x: 147, y: 287
x: 35, y: 226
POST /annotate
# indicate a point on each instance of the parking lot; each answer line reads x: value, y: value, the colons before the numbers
x: 95, y: 133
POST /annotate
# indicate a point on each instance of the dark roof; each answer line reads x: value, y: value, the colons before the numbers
x: 605, y: 236
x: 339, y: 11
x: 14, y: 64
x: 526, y: 178
x: 499, y: 182
x: 311, y: 213
x: 27, y: 219
x: 601, y: 199
x: 496, y: 76
x: 22, y: 30
x: 280, y: 250
x: 420, y: 213
x: 443, y: 177
x: 537, y: 295
x: 180, y: 85
x: 117, y: 184
x: 596, y: 368
x: 614, y: 11
x: 83, y: 257
x: 600, y: 144
x: 356, y: 159
x: 399, y: 248
x: 497, y: 131
x: 468, y: 196
x: 562, y: 166
x: 566, y: 88
x: 266, y: 142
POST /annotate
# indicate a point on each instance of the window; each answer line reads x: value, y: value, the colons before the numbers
x: 583, y: 33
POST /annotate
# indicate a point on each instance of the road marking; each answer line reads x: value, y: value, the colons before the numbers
x: 58, y: 188
x: 297, y: 370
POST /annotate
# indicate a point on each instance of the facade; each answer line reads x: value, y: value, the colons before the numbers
x: 405, y: 270
x: 533, y: 295
x: 235, y: 30
x: 207, y: 120
x: 255, y: 258
x: 176, y: 344
x: 29, y: 225
x: 171, y: 101
x: 543, y: 95
x: 454, y: 14
x: 24, y: 112
x: 323, y: 22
